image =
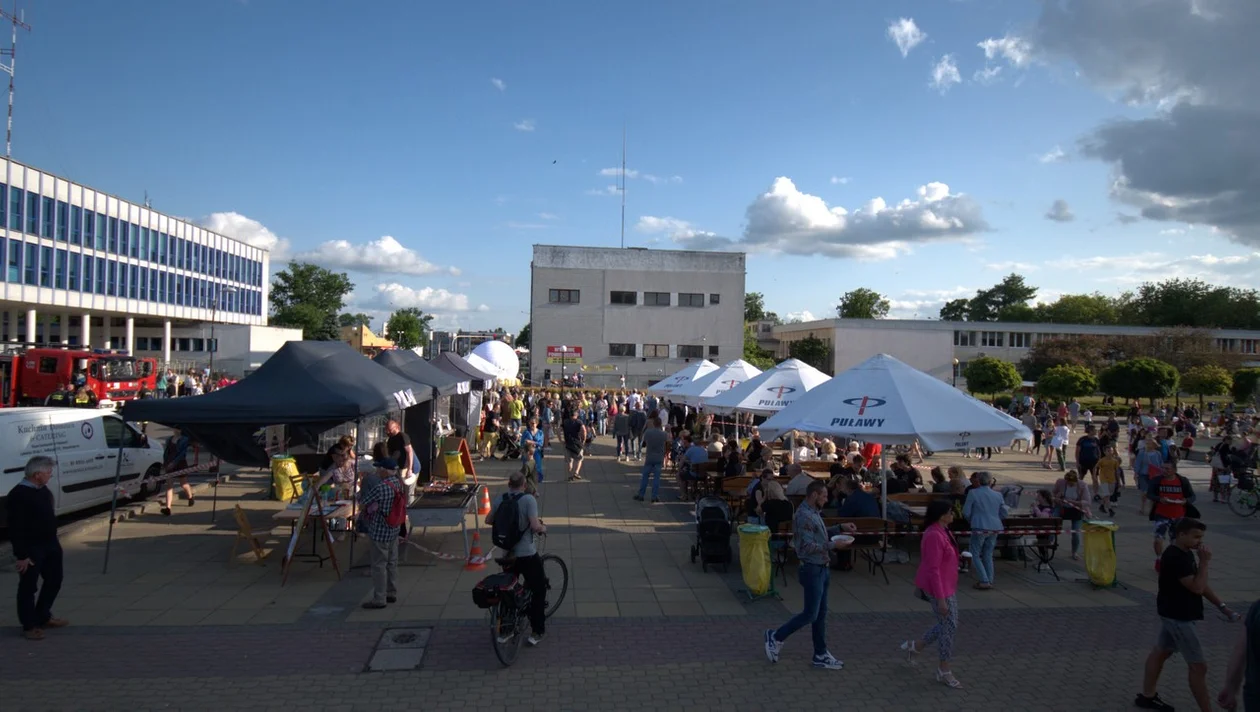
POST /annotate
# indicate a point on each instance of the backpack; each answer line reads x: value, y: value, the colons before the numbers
x: 397, y: 507
x: 506, y: 531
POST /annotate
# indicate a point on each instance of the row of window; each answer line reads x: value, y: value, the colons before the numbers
x: 998, y: 339
x: 650, y: 299
x: 660, y: 351
x: 42, y: 216
x: 154, y: 343
x: 40, y: 266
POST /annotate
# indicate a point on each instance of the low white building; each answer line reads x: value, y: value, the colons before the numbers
x: 242, y: 348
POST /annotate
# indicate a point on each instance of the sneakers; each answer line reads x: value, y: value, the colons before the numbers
x: 1151, y: 703
x: 638, y: 498
x: 534, y: 639
x: 827, y: 661
x: 56, y: 623
x: 772, y: 647
x: 656, y: 500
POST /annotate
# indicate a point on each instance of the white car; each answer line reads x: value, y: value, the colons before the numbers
x: 87, y: 444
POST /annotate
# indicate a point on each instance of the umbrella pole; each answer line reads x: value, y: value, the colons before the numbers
x: 354, y: 495
x: 883, y: 484
x: 113, y: 506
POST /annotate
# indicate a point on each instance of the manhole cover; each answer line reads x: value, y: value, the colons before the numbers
x: 399, y: 649
x: 404, y: 638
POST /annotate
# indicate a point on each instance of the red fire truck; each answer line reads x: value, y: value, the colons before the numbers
x: 28, y: 376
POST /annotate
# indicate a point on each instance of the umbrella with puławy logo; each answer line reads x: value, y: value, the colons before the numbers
x: 678, y: 379
x: 770, y: 392
x: 699, y: 391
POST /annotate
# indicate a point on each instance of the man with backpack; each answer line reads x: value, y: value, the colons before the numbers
x: 514, y: 522
x: 383, y: 510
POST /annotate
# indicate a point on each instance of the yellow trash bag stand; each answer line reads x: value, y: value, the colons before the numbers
x: 285, y: 482
x: 1100, y: 552
x: 754, y: 557
x: 455, y: 468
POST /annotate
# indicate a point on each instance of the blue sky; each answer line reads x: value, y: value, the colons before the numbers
x: 424, y: 147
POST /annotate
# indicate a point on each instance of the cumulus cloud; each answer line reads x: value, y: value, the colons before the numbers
x: 925, y: 304
x: 399, y: 296
x: 682, y: 232
x: 1011, y: 266
x: 945, y: 74
x: 633, y: 174
x: 986, y: 75
x: 524, y: 125
x: 905, y: 34
x: 799, y: 316
x: 1136, y: 268
x: 1196, y: 158
x: 385, y: 256
x: 1054, y: 155
x: 1060, y: 212
x: 1015, y: 50
x: 606, y: 190
x: 840, y: 180
x: 249, y: 231
x: 498, y: 83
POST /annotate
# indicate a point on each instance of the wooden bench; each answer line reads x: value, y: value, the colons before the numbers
x: 874, y: 552
x: 822, y: 466
x: 733, y: 489
x: 1044, y: 533
x: 917, y: 499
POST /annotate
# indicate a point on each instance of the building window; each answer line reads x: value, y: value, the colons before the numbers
x: 690, y: 351
x: 87, y: 274
x: 621, y: 350
x: 198, y: 344
x: 113, y: 236
x: 32, y: 213
x: 656, y: 351
x: 623, y: 298
x: 964, y: 338
x: 101, y: 231
x: 713, y: 351
x: 153, y: 285
x: 959, y: 368
x: 182, y: 344
x: 142, y: 343
x: 656, y: 299
x: 59, y: 278
x: 15, y: 261
x: 131, y: 282
x: 155, y: 343
x: 100, y: 275
x: 74, y: 270
x: 49, y: 204
x: 555, y: 296
x: 113, y: 279
x: 63, y: 218
x: 991, y: 338
x: 1247, y: 346
x: 32, y: 264
x: 89, y: 228
x: 124, y: 237
x: 15, y: 208
x: 1020, y: 340
x: 76, y: 225
x: 688, y: 299
x: 45, y: 266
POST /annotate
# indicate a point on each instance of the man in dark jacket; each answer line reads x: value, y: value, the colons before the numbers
x: 33, y: 533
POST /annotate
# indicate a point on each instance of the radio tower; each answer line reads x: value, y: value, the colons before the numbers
x: 11, y: 53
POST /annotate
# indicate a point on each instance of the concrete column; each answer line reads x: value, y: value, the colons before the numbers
x: 31, y: 336
x: 106, y: 328
x: 131, y: 335
x: 85, y: 331
x: 166, y: 342
x: 13, y: 326
x: 65, y: 329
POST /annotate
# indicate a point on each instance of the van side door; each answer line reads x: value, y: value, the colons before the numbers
x: 121, y: 440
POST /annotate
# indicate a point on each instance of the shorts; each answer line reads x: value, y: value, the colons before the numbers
x: 1162, y: 528
x: 1179, y: 637
x: 1105, y: 489
x: 1086, y: 466
x: 569, y: 454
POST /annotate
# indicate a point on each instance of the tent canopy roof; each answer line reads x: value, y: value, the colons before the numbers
x: 410, y: 366
x: 771, y: 391
x: 673, y: 381
x: 455, y: 365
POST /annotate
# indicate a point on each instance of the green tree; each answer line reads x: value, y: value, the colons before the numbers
x: 1246, y: 380
x: 954, y: 310
x: 408, y: 328
x: 360, y: 319
x: 1067, y: 381
x: 862, y: 303
x: 991, y: 375
x: 754, y: 306
x: 753, y: 353
x: 1206, y: 381
x: 310, y: 298
x: 989, y: 304
x: 522, y: 339
x: 1140, y: 378
x: 1080, y: 309
x: 1088, y: 351
x: 813, y: 351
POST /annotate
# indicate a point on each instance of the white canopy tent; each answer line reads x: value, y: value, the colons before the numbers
x: 498, y: 359
x: 667, y: 385
x: 771, y: 391
x: 700, y: 390
x: 883, y: 400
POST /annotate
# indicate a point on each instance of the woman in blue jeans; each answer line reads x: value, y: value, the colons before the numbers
x: 984, y: 509
x: 1071, y: 496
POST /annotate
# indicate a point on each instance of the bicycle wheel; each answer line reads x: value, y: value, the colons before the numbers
x: 557, y: 581
x: 507, y: 633
x: 1244, y: 503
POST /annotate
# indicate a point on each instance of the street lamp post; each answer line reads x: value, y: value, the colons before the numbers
x: 214, y: 315
x: 563, y: 358
x: 954, y: 374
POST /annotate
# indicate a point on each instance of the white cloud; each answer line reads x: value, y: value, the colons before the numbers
x: 1173, y: 231
x: 384, y: 256
x: 681, y: 232
x: 1011, y: 266
x: 987, y: 75
x: 1145, y: 266
x: 634, y: 174
x: 840, y: 180
x: 1054, y: 155
x: 606, y: 190
x: 524, y: 125
x: 548, y: 216
x: 397, y: 296
x: 1015, y: 50
x: 905, y: 34
x: 527, y: 226
x: 945, y: 74
x: 612, y: 172
x: 799, y: 316
x: 925, y: 304
x: 498, y: 83
x: 249, y: 231
x: 1060, y: 212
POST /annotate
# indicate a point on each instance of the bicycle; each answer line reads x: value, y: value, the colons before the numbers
x: 1243, y: 496
x: 508, y: 617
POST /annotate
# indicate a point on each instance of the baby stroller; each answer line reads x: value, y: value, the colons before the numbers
x: 509, y: 443
x: 713, y: 533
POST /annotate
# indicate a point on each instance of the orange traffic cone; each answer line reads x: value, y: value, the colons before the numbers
x: 483, y: 507
x: 474, y: 557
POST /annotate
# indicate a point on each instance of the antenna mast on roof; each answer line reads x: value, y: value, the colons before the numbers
x: 623, y: 186
x: 11, y: 53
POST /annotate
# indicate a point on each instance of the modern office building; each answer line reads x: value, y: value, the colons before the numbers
x: 81, y: 267
x: 635, y: 313
x: 943, y: 348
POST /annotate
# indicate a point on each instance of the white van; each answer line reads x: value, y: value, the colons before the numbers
x: 86, y: 443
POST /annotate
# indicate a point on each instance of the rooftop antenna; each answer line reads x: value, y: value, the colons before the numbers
x: 11, y: 53
x: 623, y: 186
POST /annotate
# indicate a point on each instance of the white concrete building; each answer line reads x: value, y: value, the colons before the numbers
x: 633, y: 312
x: 80, y: 267
x: 943, y: 348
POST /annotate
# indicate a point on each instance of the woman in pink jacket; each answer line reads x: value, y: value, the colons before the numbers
x: 937, y: 583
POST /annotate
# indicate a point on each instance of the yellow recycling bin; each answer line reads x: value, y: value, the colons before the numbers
x: 754, y: 557
x: 454, y: 468
x: 285, y: 482
x: 1100, y: 552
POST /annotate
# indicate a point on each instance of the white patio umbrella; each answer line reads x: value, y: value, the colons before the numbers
x: 680, y: 378
x: 885, y: 401
x: 700, y: 390
x: 770, y: 392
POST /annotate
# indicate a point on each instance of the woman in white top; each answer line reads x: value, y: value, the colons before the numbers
x: 1057, y: 447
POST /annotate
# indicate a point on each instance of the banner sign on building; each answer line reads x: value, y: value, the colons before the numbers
x: 572, y: 355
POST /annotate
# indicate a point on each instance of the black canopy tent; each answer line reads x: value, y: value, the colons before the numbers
x: 456, y: 365
x: 418, y: 421
x: 308, y: 386
x: 465, y: 411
